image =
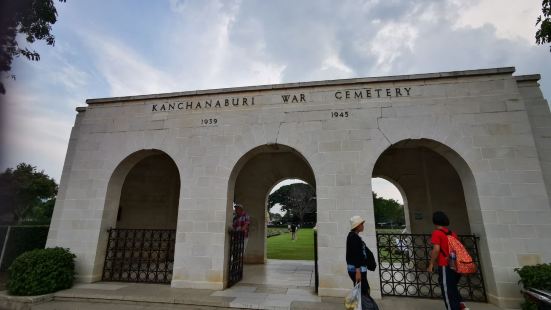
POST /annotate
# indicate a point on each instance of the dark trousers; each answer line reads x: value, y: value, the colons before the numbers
x: 365, y: 285
x: 448, y: 280
x: 367, y: 302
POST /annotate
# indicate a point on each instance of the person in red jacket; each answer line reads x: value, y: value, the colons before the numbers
x: 447, y: 277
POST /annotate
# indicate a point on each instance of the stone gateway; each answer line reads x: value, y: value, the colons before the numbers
x: 162, y: 172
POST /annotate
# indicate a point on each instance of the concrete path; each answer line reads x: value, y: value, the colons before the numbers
x: 274, y: 285
x: 278, y: 285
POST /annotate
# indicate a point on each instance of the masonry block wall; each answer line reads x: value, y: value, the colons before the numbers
x: 487, y: 124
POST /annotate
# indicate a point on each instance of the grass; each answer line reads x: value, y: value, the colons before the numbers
x: 276, y: 231
x: 282, y: 247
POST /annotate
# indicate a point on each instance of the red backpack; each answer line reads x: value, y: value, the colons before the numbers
x: 459, y: 259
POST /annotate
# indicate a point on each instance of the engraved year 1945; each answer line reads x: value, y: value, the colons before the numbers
x: 339, y: 114
x: 209, y: 121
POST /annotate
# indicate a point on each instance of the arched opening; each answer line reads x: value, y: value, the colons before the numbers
x: 251, y: 181
x: 431, y: 177
x: 292, y: 210
x: 428, y: 180
x: 390, y: 206
x: 149, y: 196
x: 140, y: 219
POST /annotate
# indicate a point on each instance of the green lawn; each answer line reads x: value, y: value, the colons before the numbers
x: 282, y: 247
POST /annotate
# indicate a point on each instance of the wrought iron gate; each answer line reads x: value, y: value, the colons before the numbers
x: 403, y: 261
x: 235, y: 270
x: 317, y: 280
x: 139, y: 255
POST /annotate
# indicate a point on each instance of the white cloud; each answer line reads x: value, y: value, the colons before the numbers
x: 385, y: 189
x: 215, y: 43
x: 214, y: 51
x: 34, y: 135
x: 390, y: 43
x: 512, y: 19
x: 125, y: 70
x: 39, y: 110
x: 286, y: 182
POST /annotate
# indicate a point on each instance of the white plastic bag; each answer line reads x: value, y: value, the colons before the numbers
x: 353, y: 301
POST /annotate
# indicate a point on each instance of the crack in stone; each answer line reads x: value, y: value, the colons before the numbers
x: 278, y: 128
x: 379, y: 126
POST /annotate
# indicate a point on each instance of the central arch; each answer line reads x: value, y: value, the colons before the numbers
x: 252, y: 178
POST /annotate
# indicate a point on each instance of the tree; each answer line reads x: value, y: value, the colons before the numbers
x: 297, y: 199
x: 543, y: 34
x: 26, y: 193
x: 388, y: 211
x: 31, y: 18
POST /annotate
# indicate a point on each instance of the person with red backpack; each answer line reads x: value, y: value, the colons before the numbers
x: 448, y: 277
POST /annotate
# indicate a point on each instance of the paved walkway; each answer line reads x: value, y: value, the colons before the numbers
x: 275, y: 285
x: 278, y: 285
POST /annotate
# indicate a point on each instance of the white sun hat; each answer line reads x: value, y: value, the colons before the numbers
x: 355, y: 221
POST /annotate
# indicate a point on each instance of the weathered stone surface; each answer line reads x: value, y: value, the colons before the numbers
x: 488, y: 132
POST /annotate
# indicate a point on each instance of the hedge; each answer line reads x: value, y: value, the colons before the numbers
x: 536, y: 276
x: 41, y: 271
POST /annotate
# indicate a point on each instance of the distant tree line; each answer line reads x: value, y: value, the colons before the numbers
x: 298, y: 201
x: 388, y: 212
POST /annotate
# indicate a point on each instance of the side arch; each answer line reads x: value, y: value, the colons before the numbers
x: 466, y: 184
x: 111, y: 216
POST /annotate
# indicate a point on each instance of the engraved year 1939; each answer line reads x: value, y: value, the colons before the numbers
x: 209, y: 121
x: 342, y: 114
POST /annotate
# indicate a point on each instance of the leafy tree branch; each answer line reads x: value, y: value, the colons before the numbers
x: 33, y: 19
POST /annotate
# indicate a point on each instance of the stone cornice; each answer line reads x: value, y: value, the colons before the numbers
x: 412, y: 77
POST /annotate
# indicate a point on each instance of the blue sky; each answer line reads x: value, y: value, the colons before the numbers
x: 116, y: 48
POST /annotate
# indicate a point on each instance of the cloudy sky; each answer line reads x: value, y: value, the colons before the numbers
x: 129, y: 47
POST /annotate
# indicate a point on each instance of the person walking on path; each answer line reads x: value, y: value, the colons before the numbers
x: 241, y: 222
x: 293, y: 231
x: 447, y: 277
x: 359, y: 259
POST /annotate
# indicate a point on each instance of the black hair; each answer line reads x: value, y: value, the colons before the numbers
x: 440, y: 218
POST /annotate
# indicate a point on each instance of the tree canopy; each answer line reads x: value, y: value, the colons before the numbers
x: 31, y: 18
x: 543, y: 34
x: 298, y: 200
x: 26, y: 194
x: 388, y: 211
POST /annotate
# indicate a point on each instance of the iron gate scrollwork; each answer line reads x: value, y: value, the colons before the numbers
x: 316, y: 271
x: 403, y: 261
x: 139, y: 255
x: 237, y: 249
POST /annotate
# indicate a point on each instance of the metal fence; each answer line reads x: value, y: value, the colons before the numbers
x: 235, y: 270
x: 316, y: 274
x: 403, y: 261
x: 139, y: 255
x: 18, y: 239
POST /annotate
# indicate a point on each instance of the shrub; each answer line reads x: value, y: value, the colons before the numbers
x: 536, y: 276
x: 41, y: 271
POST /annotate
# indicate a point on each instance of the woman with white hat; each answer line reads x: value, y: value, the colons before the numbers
x: 359, y: 258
